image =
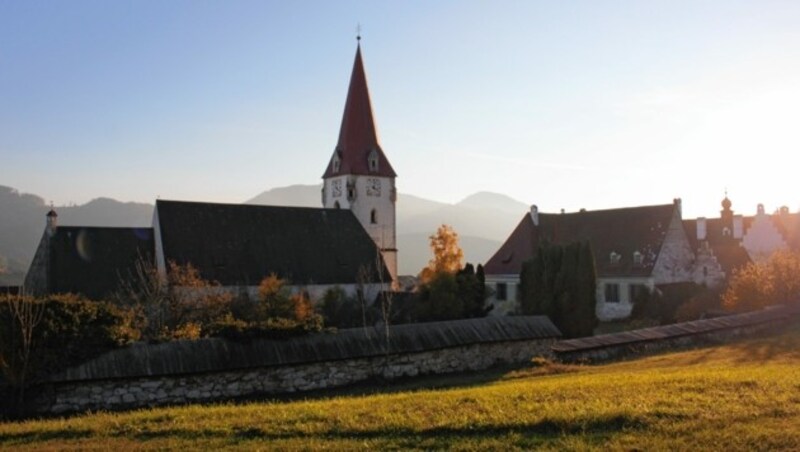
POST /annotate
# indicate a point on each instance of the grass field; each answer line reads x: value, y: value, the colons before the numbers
x: 744, y: 396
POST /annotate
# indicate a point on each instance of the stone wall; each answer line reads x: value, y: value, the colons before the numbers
x: 116, y: 394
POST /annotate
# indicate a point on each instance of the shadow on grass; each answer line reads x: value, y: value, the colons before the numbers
x: 546, y: 428
x: 39, y: 436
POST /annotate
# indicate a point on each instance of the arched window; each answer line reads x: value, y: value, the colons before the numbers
x: 336, y: 205
x: 373, y: 217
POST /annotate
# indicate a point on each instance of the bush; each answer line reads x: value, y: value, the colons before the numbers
x: 72, y: 330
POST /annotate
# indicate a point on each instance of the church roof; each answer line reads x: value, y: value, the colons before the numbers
x: 94, y: 260
x: 621, y: 231
x: 238, y: 244
x: 358, y: 136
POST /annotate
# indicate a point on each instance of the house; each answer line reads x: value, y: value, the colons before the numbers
x: 350, y: 242
x: 634, y: 248
x: 725, y: 244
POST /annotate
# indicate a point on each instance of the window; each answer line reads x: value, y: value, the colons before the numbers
x: 502, y: 292
x: 336, y: 163
x: 373, y: 160
x: 612, y: 293
x: 705, y: 272
x: 726, y: 232
x: 614, y: 258
x: 637, y: 258
x: 336, y: 205
x: 373, y: 217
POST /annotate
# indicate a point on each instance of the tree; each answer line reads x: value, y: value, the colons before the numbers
x: 559, y: 282
x: 447, y: 255
x: 758, y: 285
x: 26, y: 314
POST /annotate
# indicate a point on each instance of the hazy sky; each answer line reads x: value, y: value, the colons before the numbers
x: 592, y: 104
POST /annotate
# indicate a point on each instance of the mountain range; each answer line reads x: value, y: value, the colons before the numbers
x: 483, y: 221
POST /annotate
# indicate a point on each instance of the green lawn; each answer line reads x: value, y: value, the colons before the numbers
x: 744, y: 396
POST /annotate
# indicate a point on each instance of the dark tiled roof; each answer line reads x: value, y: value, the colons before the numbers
x: 93, y: 260
x: 213, y: 355
x: 622, y: 231
x: 238, y: 244
x: 358, y: 136
x: 728, y: 251
x: 676, y: 330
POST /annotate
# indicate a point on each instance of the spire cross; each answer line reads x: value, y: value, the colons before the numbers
x: 358, y: 32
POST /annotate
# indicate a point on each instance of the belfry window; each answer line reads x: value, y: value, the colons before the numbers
x: 373, y: 160
x: 373, y: 217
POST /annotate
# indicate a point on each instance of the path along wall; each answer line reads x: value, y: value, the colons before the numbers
x: 213, y: 369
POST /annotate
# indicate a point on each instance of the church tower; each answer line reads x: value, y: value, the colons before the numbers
x: 359, y: 177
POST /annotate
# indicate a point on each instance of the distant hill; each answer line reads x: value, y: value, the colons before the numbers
x: 483, y: 221
x: 494, y: 201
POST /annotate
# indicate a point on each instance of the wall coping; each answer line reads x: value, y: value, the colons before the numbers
x: 217, y: 355
x: 692, y: 328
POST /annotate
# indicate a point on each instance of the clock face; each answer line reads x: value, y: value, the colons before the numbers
x: 336, y: 187
x: 373, y: 187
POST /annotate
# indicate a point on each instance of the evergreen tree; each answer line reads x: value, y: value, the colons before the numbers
x: 559, y: 282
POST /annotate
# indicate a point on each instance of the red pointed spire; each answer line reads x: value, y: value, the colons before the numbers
x: 358, y: 150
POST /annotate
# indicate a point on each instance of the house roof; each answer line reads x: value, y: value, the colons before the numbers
x: 94, y: 260
x: 358, y: 136
x: 622, y: 231
x: 238, y: 244
x: 728, y: 251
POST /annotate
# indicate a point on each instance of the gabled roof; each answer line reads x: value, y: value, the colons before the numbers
x: 728, y: 251
x: 238, y: 244
x: 358, y: 136
x: 622, y: 231
x: 93, y: 261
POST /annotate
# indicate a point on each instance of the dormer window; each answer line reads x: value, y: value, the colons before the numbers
x: 614, y: 257
x: 638, y: 258
x: 336, y: 163
x: 373, y: 160
x: 726, y: 232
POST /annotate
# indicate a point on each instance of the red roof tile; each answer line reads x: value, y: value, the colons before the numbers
x: 358, y: 136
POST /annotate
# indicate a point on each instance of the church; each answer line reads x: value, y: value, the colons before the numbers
x: 350, y: 242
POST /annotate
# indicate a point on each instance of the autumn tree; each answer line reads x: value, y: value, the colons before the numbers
x: 757, y: 285
x: 277, y: 302
x: 447, y: 254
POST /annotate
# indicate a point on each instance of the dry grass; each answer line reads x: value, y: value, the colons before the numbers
x: 744, y: 396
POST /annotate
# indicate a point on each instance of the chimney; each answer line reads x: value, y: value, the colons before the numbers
x: 52, y: 221
x: 738, y: 227
x: 701, y: 228
x: 679, y: 204
x: 535, y: 214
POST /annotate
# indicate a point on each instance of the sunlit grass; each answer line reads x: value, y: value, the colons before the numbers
x: 744, y: 396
